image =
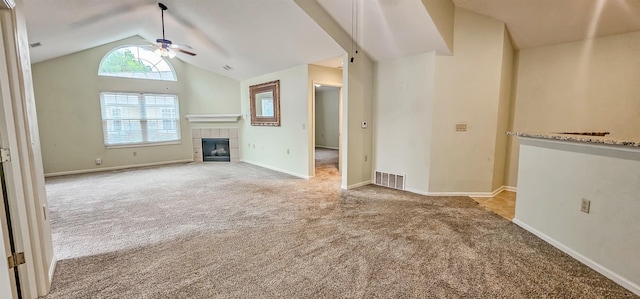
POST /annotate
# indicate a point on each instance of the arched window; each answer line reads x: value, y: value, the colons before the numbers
x: 136, y: 62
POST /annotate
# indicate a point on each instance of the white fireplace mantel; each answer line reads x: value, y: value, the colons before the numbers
x: 213, y: 118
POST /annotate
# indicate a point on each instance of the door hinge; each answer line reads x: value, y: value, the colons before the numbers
x: 5, y: 155
x: 16, y: 260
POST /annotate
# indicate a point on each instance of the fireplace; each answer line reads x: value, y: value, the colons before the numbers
x: 215, y: 133
x: 216, y: 149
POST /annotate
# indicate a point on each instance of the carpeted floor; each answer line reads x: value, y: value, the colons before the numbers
x: 239, y: 231
x: 326, y: 157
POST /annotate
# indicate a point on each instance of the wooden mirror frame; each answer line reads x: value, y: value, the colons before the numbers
x: 274, y: 87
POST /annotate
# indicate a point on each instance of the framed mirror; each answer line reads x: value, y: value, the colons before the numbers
x: 265, y: 104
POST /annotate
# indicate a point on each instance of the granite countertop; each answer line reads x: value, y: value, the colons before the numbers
x: 586, y: 137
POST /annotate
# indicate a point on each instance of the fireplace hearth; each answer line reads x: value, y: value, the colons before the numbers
x: 216, y: 150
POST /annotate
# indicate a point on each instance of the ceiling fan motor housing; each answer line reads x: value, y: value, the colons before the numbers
x: 164, y: 42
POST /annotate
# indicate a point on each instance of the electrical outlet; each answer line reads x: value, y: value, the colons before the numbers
x: 135, y: 154
x: 366, y: 158
x: 287, y: 151
x: 585, y: 205
x: 98, y: 161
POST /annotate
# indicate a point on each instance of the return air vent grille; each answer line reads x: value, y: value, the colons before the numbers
x: 390, y: 180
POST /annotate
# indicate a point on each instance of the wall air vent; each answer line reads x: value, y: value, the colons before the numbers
x: 391, y: 180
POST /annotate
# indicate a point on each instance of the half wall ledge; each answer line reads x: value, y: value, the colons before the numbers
x: 213, y: 118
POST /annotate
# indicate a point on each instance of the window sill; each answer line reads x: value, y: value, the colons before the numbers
x: 142, y: 144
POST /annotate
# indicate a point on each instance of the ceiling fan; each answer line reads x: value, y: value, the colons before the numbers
x: 165, y: 47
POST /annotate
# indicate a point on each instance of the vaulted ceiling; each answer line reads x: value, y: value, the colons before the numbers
x: 255, y: 37
x: 536, y: 23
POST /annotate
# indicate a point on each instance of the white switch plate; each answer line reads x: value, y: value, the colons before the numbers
x: 364, y: 124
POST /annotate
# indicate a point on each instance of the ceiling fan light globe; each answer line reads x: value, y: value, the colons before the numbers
x: 164, y: 52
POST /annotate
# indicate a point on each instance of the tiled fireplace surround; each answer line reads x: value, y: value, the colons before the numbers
x: 231, y: 133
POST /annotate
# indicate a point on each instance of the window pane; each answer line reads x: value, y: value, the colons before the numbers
x: 136, y: 62
x: 130, y: 118
x: 157, y: 131
x: 123, y: 132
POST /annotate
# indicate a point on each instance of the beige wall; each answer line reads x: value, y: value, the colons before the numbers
x: 284, y: 148
x: 209, y: 92
x: 581, y: 86
x: 67, y: 99
x: 468, y: 90
x: 357, y: 106
x: 504, y: 111
x: 403, y: 117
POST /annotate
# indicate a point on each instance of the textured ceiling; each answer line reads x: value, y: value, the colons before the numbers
x: 255, y: 37
x: 535, y: 23
x: 387, y: 29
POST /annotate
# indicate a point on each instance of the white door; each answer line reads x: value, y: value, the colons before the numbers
x: 7, y: 276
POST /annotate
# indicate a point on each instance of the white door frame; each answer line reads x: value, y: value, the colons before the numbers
x: 8, y: 140
x: 24, y: 176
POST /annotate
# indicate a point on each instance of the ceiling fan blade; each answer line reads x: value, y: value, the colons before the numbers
x: 185, y: 52
x: 174, y: 46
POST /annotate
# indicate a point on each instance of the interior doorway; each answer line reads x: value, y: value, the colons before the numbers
x: 327, y: 102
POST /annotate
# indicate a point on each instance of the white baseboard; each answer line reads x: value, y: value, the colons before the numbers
x: 497, y: 191
x: 327, y: 147
x: 416, y: 191
x: 52, y: 269
x: 470, y: 194
x: 511, y: 188
x: 306, y: 177
x: 116, y: 167
x: 629, y: 285
x: 356, y: 185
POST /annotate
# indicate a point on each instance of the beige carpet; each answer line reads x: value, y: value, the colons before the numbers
x: 326, y: 157
x: 238, y: 231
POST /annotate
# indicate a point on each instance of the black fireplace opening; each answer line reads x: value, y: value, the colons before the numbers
x: 216, y: 149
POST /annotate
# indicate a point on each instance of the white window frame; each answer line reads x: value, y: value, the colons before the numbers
x: 145, y: 126
x: 146, y: 56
